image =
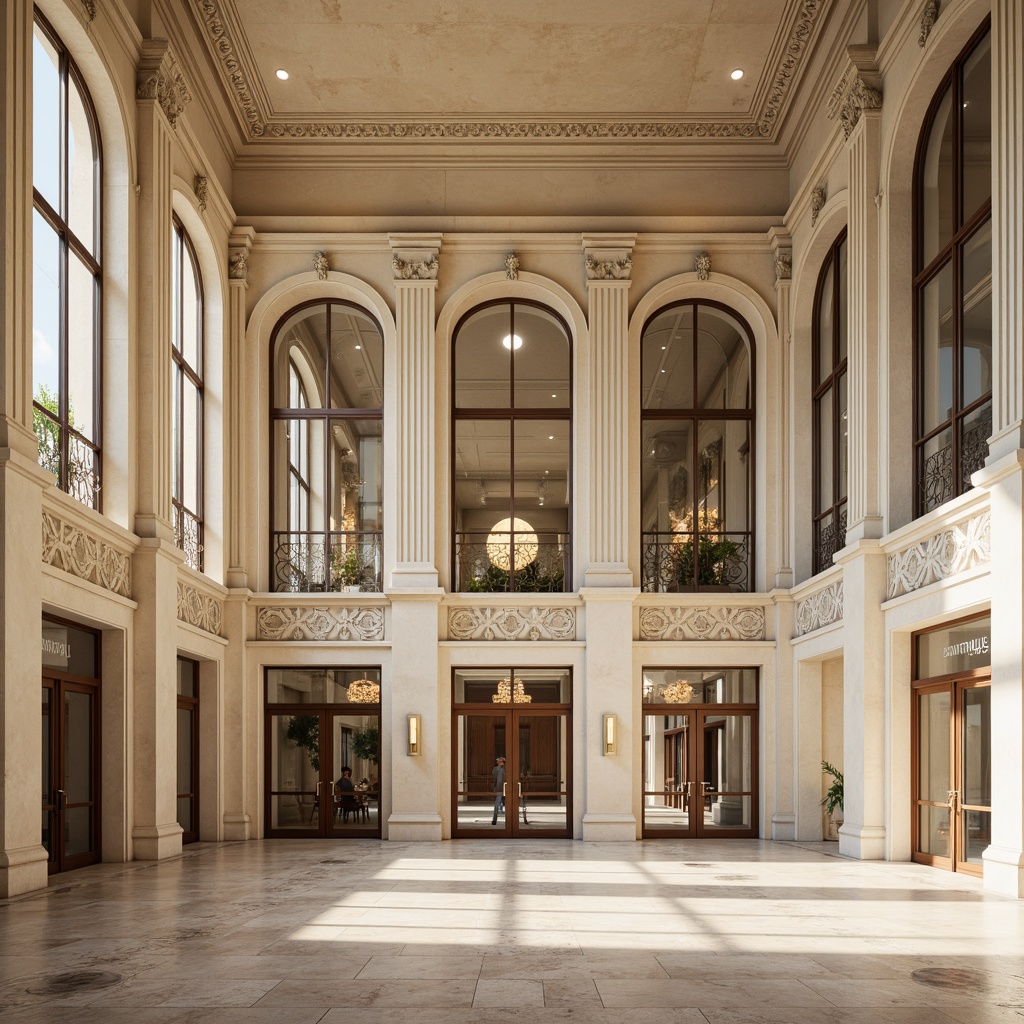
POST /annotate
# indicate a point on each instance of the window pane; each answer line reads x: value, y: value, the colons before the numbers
x: 842, y: 311
x: 723, y: 366
x: 541, y: 501
x: 826, y: 318
x: 483, y: 361
x: 976, y: 753
x: 483, y: 477
x: 45, y: 315
x: 977, y: 128
x: 82, y: 351
x: 843, y: 446
x: 187, y: 678
x: 977, y: 329
x: 936, y: 383
x: 46, y: 149
x: 82, y: 162
x: 191, y: 312
x: 667, y: 357
x: 975, y: 431
x: 541, y: 365
x: 190, y: 437
x: 700, y: 686
x: 933, y: 768
x: 357, y: 360
x: 937, y: 184
x: 300, y: 343
x: 184, y: 758
x: 176, y: 469
x: 723, y: 462
x: 317, y: 685
x: 826, y: 496
x: 667, y: 488
x: 356, y: 472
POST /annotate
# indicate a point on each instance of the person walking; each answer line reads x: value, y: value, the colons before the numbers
x: 498, y: 774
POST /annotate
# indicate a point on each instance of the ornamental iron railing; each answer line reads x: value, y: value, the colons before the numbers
x: 312, y: 561
x: 689, y: 562
x: 511, y: 562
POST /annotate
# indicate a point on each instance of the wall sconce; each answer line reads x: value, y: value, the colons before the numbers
x: 611, y: 734
x: 414, y: 725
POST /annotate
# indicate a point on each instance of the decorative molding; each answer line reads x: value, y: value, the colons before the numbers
x: 321, y: 265
x: 702, y: 264
x: 90, y: 9
x: 850, y: 98
x: 929, y: 15
x: 818, y: 196
x: 512, y: 624
x: 512, y: 266
x: 822, y: 608
x: 415, y: 270
x: 612, y: 269
x: 764, y: 126
x: 201, y: 188
x: 784, y: 265
x: 159, y: 77
x: 708, y: 623
x: 954, y: 550
x: 238, y: 265
x: 199, y: 609
x: 320, y: 623
x: 71, y: 549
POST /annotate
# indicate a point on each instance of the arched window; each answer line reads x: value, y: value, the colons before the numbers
x: 327, y: 420
x: 65, y: 270
x: 511, y: 439
x: 953, y: 282
x: 187, y: 382
x: 697, y: 424
x: 830, y: 407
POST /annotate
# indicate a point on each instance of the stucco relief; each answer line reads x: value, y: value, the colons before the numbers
x: 929, y: 16
x: 708, y: 623
x: 159, y: 77
x: 512, y: 624
x: 199, y: 609
x: 90, y: 9
x: 614, y: 270
x: 69, y: 548
x: 822, y: 608
x: 818, y: 196
x: 702, y: 265
x: 201, y: 188
x: 957, y: 549
x: 850, y: 98
x: 415, y: 270
x: 238, y: 265
x: 320, y: 624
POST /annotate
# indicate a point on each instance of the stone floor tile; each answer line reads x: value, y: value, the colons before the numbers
x: 572, y: 992
x: 505, y: 992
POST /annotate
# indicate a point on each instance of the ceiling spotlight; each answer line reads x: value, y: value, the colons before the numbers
x: 282, y: 74
x: 737, y: 74
x: 511, y: 341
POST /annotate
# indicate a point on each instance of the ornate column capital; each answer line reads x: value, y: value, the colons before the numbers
x: 415, y: 257
x: 858, y: 90
x: 159, y: 77
x: 239, y: 246
x: 608, y: 257
x: 782, y: 251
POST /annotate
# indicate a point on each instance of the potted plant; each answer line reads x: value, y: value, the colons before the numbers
x: 366, y: 744
x: 833, y: 799
x: 349, y: 570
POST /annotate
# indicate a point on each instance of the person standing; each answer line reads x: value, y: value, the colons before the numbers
x: 498, y: 774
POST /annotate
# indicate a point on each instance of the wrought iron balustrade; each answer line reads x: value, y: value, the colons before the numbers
x: 312, y: 561
x: 511, y: 562
x: 685, y: 562
x: 188, y: 535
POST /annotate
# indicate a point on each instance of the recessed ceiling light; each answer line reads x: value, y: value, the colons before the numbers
x: 511, y: 341
x: 554, y: 396
x: 737, y: 74
x: 282, y: 74
x: 358, y: 347
x: 551, y: 437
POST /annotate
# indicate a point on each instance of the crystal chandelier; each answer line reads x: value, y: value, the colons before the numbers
x: 511, y: 692
x: 364, y: 691
x: 679, y: 692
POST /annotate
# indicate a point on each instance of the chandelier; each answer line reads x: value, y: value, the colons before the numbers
x: 679, y: 692
x: 364, y: 691
x: 511, y: 692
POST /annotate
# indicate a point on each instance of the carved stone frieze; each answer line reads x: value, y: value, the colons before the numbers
x: 929, y: 16
x: 707, y: 623
x: 238, y: 265
x: 614, y: 269
x: 320, y: 623
x: 321, y: 265
x: 818, y: 196
x: 224, y: 49
x: 201, y: 188
x: 69, y: 548
x: 415, y: 270
x: 159, y: 77
x: 822, y: 608
x: 702, y: 264
x: 512, y: 624
x: 512, y: 266
x: 793, y: 54
x: 954, y: 550
x: 199, y: 609
x: 784, y: 265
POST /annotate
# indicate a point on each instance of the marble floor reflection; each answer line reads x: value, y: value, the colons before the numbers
x: 354, y: 931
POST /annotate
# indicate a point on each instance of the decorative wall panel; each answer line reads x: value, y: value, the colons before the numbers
x: 822, y: 608
x: 512, y: 624
x: 199, y: 609
x: 69, y: 548
x: 320, y: 624
x: 702, y: 624
x: 954, y: 550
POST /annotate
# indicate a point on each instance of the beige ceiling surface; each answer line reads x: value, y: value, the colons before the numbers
x: 399, y: 69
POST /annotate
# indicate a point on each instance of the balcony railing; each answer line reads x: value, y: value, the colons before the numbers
x: 314, y: 561
x: 188, y: 535
x: 511, y: 562
x: 674, y: 563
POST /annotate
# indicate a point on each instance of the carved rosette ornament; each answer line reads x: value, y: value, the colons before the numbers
x: 784, y: 265
x: 415, y: 270
x: 201, y: 188
x: 702, y: 623
x: 512, y: 266
x: 320, y: 623
x: 929, y: 16
x: 702, y: 264
x: 818, y: 196
x: 609, y: 270
x: 512, y: 624
x: 199, y: 609
x: 945, y: 554
x: 321, y: 265
x: 159, y: 77
x: 67, y: 547
x: 822, y: 608
x: 238, y: 265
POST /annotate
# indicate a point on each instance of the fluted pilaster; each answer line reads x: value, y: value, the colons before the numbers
x: 779, y: 440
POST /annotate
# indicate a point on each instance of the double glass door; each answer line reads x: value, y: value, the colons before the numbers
x: 953, y: 774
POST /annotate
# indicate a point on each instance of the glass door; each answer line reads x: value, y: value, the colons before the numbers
x: 953, y: 774
x: 188, y: 750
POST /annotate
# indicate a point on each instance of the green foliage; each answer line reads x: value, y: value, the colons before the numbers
x: 834, y: 796
x: 349, y: 569
x: 47, y: 430
x: 304, y: 731
x: 366, y: 744
x: 714, y: 555
x: 528, y: 580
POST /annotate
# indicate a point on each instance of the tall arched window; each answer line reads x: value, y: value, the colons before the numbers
x: 187, y: 382
x: 327, y: 420
x: 697, y: 423
x: 511, y: 439
x: 953, y: 282
x: 830, y: 407
x: 65, y: 270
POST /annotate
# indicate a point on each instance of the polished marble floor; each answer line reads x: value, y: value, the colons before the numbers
x: 349, y: 932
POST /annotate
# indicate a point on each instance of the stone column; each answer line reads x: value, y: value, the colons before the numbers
x: 22, y: 857
x: 609, y: 262
x: 781, y: 752
x: 1004, y: 471
x: 780, y: 427
x: 161, y: 97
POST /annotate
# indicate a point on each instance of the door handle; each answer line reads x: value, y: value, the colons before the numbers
x: 61, y: 793
x: 318, y: 785
x: 504, y: 789
x: 953, y: 800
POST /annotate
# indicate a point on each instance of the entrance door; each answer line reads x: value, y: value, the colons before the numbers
x: 953, y: 774
x: 188, y: 750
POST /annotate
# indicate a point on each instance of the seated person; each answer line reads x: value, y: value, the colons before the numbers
x: 345, y: 798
